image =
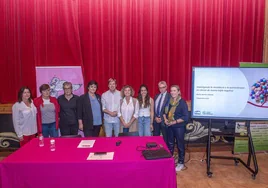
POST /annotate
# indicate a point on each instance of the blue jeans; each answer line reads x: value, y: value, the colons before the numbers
x: 109, y: 127
x: 49, y: 130
x: 144, y: 126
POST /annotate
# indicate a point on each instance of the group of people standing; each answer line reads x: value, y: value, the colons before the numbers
x: 166, y: 113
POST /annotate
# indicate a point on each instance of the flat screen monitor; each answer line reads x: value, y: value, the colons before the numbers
x: 230, y: 93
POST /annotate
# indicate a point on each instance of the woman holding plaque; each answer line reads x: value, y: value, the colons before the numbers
x: 176, y: 117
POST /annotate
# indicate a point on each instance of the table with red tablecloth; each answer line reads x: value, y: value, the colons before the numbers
x: 67, y: 166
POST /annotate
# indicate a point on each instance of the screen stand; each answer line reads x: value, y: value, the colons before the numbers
x: 251, y: 151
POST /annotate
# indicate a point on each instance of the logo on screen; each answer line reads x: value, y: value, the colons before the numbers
x: 207, y: 113
x: 197, y: 112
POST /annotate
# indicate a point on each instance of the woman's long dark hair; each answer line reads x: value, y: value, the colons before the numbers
x: 147, y: 97
x: 21, y: 92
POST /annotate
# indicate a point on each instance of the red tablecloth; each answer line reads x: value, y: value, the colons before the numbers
x: 34, y: 166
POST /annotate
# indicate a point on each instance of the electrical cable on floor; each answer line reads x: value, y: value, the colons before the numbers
x: 189, y: 155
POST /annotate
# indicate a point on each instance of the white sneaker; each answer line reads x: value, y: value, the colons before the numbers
x: 179, y: 167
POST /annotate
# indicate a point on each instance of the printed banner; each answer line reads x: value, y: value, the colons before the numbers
x: 56, y: 76
x: 253, y: 64
x: 259, y: 130
x: 259, y: 133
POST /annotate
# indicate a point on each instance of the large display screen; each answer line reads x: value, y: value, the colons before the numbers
x: 230, y: 93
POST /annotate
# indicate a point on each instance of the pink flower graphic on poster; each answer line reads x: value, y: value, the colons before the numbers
x: 56, y: 76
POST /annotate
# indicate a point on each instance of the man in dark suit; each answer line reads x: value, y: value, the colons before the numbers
x: 161, y: 100
x: 89, y: 111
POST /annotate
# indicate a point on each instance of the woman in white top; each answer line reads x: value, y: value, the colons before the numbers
x: 128, y: 110
x: 24, y: 116
x: 146, y: 112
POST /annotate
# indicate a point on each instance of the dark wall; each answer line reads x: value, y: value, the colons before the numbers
x: 8, y: 138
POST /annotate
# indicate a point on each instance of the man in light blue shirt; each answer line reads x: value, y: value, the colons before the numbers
x: 110, y: 105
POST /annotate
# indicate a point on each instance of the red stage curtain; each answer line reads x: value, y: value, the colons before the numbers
x: 134, y: 41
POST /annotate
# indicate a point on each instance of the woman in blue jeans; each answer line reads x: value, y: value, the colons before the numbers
x: 146, y: 112
x: 176, y: 117
x: 47, y: 112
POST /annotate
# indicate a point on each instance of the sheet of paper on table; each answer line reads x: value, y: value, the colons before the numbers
x: 102, y: 156
x: 86, y: 144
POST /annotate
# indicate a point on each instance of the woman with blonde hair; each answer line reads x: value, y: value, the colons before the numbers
x: 176, y: 117
x: 128, y: 110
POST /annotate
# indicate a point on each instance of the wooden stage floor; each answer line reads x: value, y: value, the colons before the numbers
x: 225, y: 173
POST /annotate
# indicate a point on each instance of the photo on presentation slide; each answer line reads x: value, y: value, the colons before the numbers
x: 230, y: 93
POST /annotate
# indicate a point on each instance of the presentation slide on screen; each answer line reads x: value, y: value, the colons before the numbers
x: 233, y: 93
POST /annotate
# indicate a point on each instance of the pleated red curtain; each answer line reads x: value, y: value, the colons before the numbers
x: 134, y: 41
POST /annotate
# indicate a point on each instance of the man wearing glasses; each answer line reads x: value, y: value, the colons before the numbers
x: 161, y: 101
x: 68, y: 111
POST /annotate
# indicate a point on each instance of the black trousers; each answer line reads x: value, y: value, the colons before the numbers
x: 177, y: 133
x: 94, y: 132
x: 71, y: 129
x: 160, y: 127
